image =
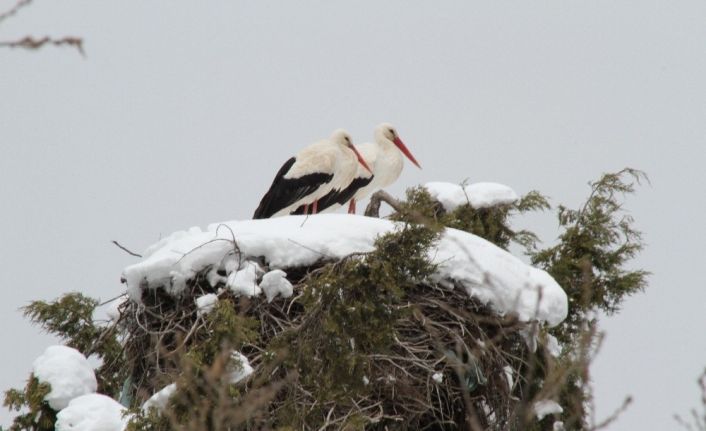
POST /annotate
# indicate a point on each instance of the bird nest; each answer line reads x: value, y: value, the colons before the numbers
x: 349, y: 350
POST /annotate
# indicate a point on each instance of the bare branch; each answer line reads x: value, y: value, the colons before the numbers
x: 131, y: 253
x: 373, y: 209
x: 29, y: 42
x: 612, y: 418
x: 13, y: 11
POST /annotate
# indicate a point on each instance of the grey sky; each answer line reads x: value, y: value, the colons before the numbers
x: 181, y: 114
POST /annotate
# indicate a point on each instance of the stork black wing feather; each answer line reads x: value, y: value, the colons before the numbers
x: 285, y: 191
x: 338, y: 196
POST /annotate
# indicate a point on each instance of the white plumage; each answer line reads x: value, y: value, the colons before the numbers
x: 384, y: 157
x: 315, y: 171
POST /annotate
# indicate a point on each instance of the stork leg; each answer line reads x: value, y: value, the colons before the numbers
x: 306, y: 209
x: 351, y: 206
x: 315, y: 207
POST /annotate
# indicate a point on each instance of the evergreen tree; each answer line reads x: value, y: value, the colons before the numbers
x: 379, y: 325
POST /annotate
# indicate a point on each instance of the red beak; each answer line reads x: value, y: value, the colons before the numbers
x: 360, y: 158
x: 405, y: 151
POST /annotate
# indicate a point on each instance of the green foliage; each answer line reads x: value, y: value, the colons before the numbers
x: 224, y: 329
x: 597, y: 242
x: 491, y: 223
x: 71, y: 319
x: 367, y: 316
x: 39, y: 416
x: 589, y: 262
x: 351, y: 310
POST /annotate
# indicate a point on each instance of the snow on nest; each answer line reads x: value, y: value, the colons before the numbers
x: 275, y: 283
x: 239, y: 371
x: 67, y: 371
x: 92, y: 412
x: 487, y: 272
x: 160, y: 398
x: 206, y: 303
x: 546, y: 407
x: 479, y: 195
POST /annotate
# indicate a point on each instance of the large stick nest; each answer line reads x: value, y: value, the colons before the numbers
x: 451, y: 364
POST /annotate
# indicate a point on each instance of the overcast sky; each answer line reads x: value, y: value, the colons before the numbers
x: 181, y: 114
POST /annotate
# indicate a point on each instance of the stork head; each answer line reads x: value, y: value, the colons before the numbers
x: 386, y: 132
x: 341, y: 137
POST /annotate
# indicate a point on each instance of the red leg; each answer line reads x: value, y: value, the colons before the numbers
x: 316, y: 207
x: 351, y: 206
x: 306, y: 209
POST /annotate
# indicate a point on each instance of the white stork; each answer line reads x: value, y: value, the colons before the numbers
x: 311, y: 174
x: 384, y: 156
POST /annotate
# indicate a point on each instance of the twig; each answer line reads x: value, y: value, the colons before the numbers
x: 126, y: 250
x: 28, y: 42
x: 311, y: 249
x: 111, y: 299
x: 12, y: 11
x: 612, y: 418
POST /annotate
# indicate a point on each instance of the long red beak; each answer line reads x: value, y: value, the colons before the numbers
x: 360, y: 158
x: 405, y: 151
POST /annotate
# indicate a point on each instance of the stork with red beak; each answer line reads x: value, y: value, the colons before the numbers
x: 384, y: 156
x: 310, y: 175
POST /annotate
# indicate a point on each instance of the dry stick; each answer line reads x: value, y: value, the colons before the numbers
x: 111, y: 299
x: 28, y: 42
x: 126, y: 250
x: 472, y: 419
x: 310, y: 249
x: 373, y: 209
x: 12, y: 11
x: 236, y: 248
x: 612, y: 418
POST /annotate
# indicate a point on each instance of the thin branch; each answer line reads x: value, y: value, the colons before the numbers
x: 28, y: 42
x: 612, y: 418
x: 126, y: 250
x: 13, y: 11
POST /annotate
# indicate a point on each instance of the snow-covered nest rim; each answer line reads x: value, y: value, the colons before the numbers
x: 486, y: 272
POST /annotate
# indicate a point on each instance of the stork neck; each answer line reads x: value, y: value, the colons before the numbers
x: 385, y: 143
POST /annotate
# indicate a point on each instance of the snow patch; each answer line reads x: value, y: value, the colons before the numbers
x: 205, y: 303
x: 244, y: 281
x: 546, y: 407
x: 92, y: 412
x: 113, y: 308
x: 160, y: 398
x: 242, y: 369
x: 552, y: 345
x: 275, y: 283
x: 530, y: 334
x: 68, y: 372
x: 508, y: 376
x: 484, y: 270
x: 479, y: 195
